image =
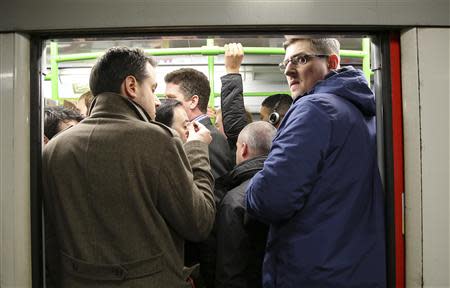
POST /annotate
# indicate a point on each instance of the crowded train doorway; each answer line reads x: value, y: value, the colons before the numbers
x: 65, y: 64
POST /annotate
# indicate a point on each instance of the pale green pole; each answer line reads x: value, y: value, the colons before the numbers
x: 209, y: 43
x: 366, y: 59
x: 54, y: 70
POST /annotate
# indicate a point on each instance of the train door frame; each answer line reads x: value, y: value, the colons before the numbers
x: 36, y: 146
x: 389, y: 117
x: 393, y: 157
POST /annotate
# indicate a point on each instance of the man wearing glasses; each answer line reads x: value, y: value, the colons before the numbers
x: 320, y: 188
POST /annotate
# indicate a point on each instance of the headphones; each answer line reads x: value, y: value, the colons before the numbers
x: 274, y: 117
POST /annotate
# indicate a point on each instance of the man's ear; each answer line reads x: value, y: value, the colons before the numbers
x: 333, y: 62
x: 245, y: 152
x: 194, y: 102
x: 129, y: 87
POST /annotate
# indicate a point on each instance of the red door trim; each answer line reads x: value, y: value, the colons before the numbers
x: 397, y: 138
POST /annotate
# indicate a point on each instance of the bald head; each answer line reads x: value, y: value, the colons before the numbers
x: 254, y: 140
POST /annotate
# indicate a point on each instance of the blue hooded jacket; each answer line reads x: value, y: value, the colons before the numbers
x: 320, y: 190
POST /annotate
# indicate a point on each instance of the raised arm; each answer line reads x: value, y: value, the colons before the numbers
x: 232, y: 102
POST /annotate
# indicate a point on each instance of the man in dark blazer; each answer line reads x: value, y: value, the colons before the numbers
x: 121, y: 192
x: 191, y: 87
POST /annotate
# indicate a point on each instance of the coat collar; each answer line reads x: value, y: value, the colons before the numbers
x: 115, y: 105
x: 205, y: 120
x: 244, y: 171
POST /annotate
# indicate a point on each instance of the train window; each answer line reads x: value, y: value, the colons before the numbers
x: 67, y: 63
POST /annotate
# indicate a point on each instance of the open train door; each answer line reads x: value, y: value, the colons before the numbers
x: 387, y: 85
x: 385, y: 64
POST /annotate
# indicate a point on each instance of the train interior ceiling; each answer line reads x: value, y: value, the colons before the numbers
x: 66, y: 63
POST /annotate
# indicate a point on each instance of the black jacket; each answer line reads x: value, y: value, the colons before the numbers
x: 233, y: 110
x: 220, y: 155
x: 241, y: 239
x: 222, y: 161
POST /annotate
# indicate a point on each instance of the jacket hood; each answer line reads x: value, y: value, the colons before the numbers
x: 350, y: 84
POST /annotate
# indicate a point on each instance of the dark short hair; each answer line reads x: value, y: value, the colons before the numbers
x: 53, y: 116
x: 164, y: 113
x: 192, y: 82
x: 281, y: 102
x: 114, y: 66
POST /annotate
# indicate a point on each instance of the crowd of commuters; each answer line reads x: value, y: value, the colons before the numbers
x: 142, y: 192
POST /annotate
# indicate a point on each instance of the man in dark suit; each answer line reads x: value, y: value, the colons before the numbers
x: 191, y: 87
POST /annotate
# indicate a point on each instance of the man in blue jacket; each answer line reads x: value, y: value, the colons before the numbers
x: 320, y: 188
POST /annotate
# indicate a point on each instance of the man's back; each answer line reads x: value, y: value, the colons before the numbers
x: 111, y: 185
x: 241, y: 239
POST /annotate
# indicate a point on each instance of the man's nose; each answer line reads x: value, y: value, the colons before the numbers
x: 290, y: 69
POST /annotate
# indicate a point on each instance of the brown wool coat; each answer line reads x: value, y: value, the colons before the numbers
x: 121, y: 195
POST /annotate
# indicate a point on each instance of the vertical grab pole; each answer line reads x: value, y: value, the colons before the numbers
x: 366, y: 59
x: 210, y: 42
x: 54, y: 70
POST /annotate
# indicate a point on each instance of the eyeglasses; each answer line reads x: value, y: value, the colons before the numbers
x: 301, y: 59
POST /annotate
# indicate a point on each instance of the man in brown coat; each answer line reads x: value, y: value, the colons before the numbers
x: 122, y: 192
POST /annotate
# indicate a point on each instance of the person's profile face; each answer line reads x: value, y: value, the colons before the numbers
x: 302, y: 77
x: 65, y: 124
x: 180, y: 123
x: 145, y: 92
x: 173, y: 91
x: 219, y: 124
x: 264, y: 113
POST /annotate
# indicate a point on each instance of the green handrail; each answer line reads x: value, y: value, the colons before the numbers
x: 208, y: 50
x: 246, y: 94
x: 204, y: 50
x: 260, y: 94
x: 54, y: 70
x: 210, y: 43
x: 366, y: 60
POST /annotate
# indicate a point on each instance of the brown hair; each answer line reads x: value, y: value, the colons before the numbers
x: 192, y: 82
x: 87, y: 97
